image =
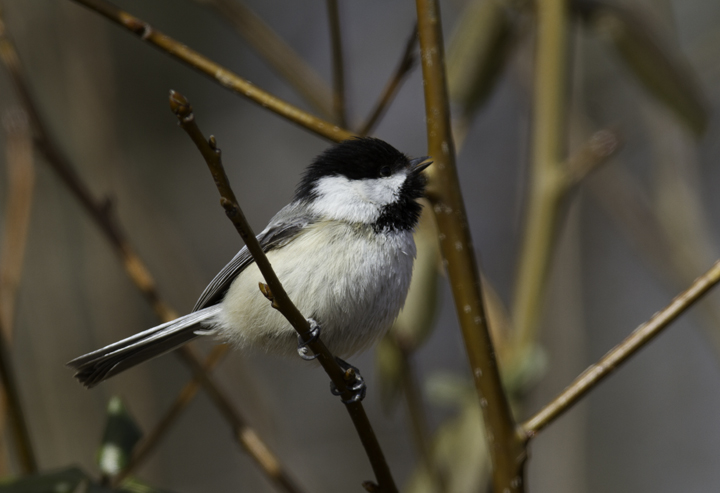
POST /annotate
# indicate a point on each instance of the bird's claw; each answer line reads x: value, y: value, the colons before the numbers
x: 355, y: 383
x: 309, y: 338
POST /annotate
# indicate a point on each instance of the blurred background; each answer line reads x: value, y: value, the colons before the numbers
x: 630, y: 236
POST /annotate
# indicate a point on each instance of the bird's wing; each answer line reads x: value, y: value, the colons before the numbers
x: 283, y: 228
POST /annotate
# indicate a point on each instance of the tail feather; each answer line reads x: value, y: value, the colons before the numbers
x: 93, y: 368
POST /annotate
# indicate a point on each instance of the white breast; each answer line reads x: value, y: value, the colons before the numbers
x: 352, y: 281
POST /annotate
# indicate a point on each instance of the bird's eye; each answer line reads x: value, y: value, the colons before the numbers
x: 385, y: 171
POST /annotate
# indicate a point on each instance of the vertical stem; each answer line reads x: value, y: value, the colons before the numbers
x: 19, y: 427
x: 507, y: 447
x: 547, y: 179
x: 338, y: 64
x: 418, y: 422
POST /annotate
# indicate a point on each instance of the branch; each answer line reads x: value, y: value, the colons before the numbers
x: 506, y: 446
x: 620, y: 353
x: 339, y: 108
x: 281, y: 57
x: 21, y: 182
x: 106, y: 222
x: 277, y: 295
x: 223, y: 76
x: 20, y: 190
x: 547, y: 184
x: 407, y: 62
x: 596, y: 151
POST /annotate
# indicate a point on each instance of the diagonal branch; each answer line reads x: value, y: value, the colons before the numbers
x: 218, y: 73
x: 640, y: 337
x: 407, y: 62
x: 506, y: 445
x: 279, y: 55
x: 279, y: 298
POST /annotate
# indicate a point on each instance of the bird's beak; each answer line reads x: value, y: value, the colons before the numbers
x: 418, y: 164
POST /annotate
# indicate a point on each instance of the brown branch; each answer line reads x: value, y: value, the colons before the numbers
x: 640, y: 337
x: 418, y: 420
x: 20, y: 189
x: 277, y: 295
x: 21, y: 181
x: 407, y: 62
x: 106, y: 222
x: 216, y: 72
x: 339, y: 108
x: 506, y: 445
x: 279, y: 55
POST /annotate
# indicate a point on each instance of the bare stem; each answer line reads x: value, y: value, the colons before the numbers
x: 602, y: 145
x: 279, y: 55
x: 20, y: 191
x: 339, y: 108
x: 407, y: 62
x: 547, y: 184
x: 506, y: 445
x: 216, y: 72
x: 277, y: 295
x: 418, y: 421
x: 640, y: 337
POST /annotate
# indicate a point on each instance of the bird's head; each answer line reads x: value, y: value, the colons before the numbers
x: 365, y: 180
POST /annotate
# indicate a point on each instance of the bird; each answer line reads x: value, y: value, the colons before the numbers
x: 343, y: 249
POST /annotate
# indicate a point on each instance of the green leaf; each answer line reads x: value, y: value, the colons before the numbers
x: 121, y: 435
x: 477, y: 52
x: 64, y: 481
x: 663, y: 71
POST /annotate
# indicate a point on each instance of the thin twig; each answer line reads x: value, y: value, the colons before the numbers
x: 186, y: 395
x: 216, y: 72
x: 99, y: 212
x: 19, y: 427
x: 640, y: 337
x: 279, y: 55
x: 407, y: 62
x: 275, y: 292
x: 21, y: 185
x: 597, y: 150
x: 20, y: 165
x: 506, y: 445
x: 547, y: 183
x: 338, y: 65
x: 418, y: 422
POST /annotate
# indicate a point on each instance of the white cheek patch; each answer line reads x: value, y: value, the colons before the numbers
x: 358, y: 201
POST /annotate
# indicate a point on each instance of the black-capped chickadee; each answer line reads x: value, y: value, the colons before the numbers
x: 343, y: 250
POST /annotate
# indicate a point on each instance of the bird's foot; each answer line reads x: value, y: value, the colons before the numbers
x: 305, y: 339
x: 355, y: 383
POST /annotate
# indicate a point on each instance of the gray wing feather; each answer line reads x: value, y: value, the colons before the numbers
x: 282, y: 229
